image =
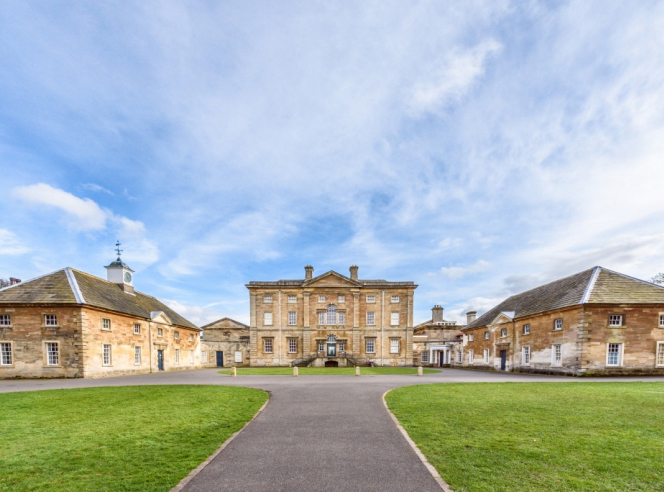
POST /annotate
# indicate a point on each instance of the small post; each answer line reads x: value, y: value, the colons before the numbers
x: 233, y: 371
x: 420, y: 372
x: 295, y: 371
x: 357, y: 370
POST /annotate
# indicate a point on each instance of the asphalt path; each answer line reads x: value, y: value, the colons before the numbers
x: 316, y: 433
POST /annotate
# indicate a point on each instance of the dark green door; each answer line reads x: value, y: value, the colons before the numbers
x: 220, y: 359
x: 160, y: 360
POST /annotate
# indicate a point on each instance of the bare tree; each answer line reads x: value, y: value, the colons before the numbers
x: 658, y: 279
x: 4, y: 283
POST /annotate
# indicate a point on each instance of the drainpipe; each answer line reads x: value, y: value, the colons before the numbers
x: 382, y: 327
x: 150, y: 343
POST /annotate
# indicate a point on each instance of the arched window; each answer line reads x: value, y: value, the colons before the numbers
x: 331, y: 314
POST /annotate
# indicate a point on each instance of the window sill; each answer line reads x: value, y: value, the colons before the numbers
x: 50, y: 327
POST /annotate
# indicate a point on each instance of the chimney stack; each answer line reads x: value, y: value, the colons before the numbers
x: 308, y: 272
x: 14, y: 281
x: 470, y: 316
x: 437, y: 313
x: 353, y: 272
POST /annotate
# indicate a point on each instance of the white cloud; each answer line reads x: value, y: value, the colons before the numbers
x: 457, y: 272
x: 10, y: 244
x: 84, y: 213
x: 97, y: 188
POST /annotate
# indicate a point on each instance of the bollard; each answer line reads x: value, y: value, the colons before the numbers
x: 233, y: 371
x: 357, y: 370
x: 295, y: 371
x: 419, y: 371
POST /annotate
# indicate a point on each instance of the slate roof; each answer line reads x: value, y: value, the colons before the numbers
x: 594, y: 286
x: 70, y: 286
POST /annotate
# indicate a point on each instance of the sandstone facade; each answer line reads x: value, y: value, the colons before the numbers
x: 225, y: 343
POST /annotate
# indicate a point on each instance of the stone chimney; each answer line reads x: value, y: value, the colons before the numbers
x: 308, y: 272
x: 437, y: 313
x: 14, y: 281
x: 470, y: 317
x: 353, y: 272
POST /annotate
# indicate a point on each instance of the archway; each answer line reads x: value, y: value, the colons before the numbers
x: 331, y: 363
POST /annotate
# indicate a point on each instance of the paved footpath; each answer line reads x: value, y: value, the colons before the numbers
x: 316, y: 433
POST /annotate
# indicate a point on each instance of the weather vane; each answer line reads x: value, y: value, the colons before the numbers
x: 117, y: 249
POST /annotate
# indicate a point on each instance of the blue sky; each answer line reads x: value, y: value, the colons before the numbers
x: 476, y: 148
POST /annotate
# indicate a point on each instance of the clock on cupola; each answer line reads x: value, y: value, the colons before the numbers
x: 119, y: 273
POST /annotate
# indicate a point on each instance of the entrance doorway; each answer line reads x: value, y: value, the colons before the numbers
x: 331, y: 363
x: 503, y: 360
x: 220, y: 359
x: 331, y: 346
x: 441, y: 359
x: 160, y: 360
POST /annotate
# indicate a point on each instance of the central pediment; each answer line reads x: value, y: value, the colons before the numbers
x: 331, y: 279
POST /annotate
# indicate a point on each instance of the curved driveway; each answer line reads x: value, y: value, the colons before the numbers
x: 316, y: 433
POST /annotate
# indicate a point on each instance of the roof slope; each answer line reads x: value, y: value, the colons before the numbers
x: 596, y: 285
x: 60, y: 288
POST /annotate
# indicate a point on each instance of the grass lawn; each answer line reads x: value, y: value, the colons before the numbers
x: 309, y: 371
x: 116, y: 438
x: 538, y: 436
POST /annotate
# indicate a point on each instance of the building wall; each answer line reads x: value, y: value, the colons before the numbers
x: 228, y: 337
x: 28, y: 335
x: 307, y: 331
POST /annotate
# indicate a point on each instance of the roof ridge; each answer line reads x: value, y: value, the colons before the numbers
x: 31, y: 280
x: 591, y: 285
x: 73, y: 283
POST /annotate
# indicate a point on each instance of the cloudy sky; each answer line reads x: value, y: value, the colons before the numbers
x: 476, y: 148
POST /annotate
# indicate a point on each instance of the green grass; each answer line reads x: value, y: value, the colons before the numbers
x: 316, y: 371
x: 538, y: 436
x: 116, y: 438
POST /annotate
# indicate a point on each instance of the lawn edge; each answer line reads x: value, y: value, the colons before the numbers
x: 182, y: 484
x: 434, y: 473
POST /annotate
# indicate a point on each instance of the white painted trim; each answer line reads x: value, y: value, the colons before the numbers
x: 74, y: 286
x: 591, y: 285
x: 659, y: 344
x: 620, y: 354
x: 434, y: 473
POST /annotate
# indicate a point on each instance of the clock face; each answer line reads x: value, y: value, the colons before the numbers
x: 127, y: 277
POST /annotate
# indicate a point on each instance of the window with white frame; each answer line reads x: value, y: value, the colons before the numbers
x: 292, y: 345
x: 371, y: 299
x: 395, y: 299
x: 267, y: 345
x: 292, y: 318
x: 342, y: 317
x: 503, y: 332
x: 292, y: 299
x: 370, y: 346
x: 160, y: 332
x: 52, y: 354
x: 558, y: 324
x: 525, y: 355
x: 486, y: 335
x: 459, y: 356
x: 191, y: 337
x: 615, y: 320
x: 267, y: 319
x: 471, y: 356
x: 614, y: 354
x: 321, y: 317
x: 471, y: 337
x: 486, y: 356
x: 106, y: 354
x: 394, y: 346
x: 238, y: 356
x: 321, y: 346
x: 425, y: 356
x: 5, y: 320
x: 557, y: 355
x: 177, y: 356
x: 137, y: 355
x: 659, y: 359
x: 394, y: 318
x: 50, y: 320
x: 342, y: 347
x: 321, y: 298
x: 105, y: 324
x: 137, y: 329
x: 176, y: 335
x: 526, y: 329
x: 203, y: 356
x: 331, y: 314
x: 6, y: 354
x: 341, y: 298
x: 661, y: 320
x: 267, y: 300
x: 191, y: 356
x: 371, y: 318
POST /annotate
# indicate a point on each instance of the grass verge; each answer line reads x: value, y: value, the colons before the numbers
x: 317, y: 371
x: 116, y: 438
x: 538, y: 436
